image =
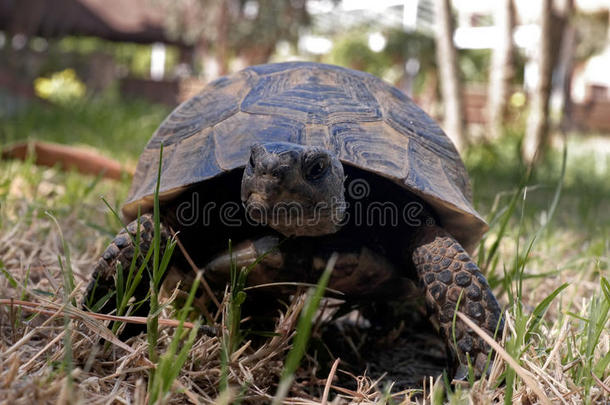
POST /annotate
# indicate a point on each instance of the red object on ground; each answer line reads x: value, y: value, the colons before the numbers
x: 68, y: 158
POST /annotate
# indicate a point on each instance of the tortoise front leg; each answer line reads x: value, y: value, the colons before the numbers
x: 121, y: 251
x: 358, y: 272
x: 447, y: 272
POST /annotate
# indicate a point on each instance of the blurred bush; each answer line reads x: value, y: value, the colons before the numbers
x: 131, y: 59
x: 62, y: 87
x: 352, y: 50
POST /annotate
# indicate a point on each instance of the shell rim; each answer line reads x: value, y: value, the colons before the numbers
x: 145, y: 203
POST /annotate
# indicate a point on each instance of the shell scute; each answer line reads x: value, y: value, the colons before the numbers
x: 233, y: 137
x: 373, y: 146
x: 322, y: 98
x: 217, y: 102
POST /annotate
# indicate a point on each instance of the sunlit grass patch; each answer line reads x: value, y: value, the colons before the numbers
x: 117, y: 128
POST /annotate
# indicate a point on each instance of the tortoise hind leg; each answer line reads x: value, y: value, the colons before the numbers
x: 447, y: 272
x: 121, y: 250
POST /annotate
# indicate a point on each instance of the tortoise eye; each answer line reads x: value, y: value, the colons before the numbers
x: 251, y: 162
x: 316, y: 170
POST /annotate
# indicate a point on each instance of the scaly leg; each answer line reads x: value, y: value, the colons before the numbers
x: 121, y: 250
x: 358, y: 272
x: 447, y: 272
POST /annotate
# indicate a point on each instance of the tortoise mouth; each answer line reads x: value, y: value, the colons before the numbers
x: 292, y: 218
x: 257, y: 207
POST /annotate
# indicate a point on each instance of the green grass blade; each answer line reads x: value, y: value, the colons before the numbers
x: 152, y: 325
x: 13, y: 283
x: 541, y: 309
x: 602, y: 366
x: 68, y: 274
x: 68, y: 288
x: 119, y: 285
x: 303, y: 332
x: 503, y: 223
x: 171, y: 362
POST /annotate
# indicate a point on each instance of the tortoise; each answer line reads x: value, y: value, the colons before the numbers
x: 306, y: 159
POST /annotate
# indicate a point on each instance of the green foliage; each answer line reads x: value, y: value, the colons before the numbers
x: 232, y: 336
x: 403, y: 45
x: 595, y: 321
x: 526, y: 326
x: 159, y: 268
x: 474, y: 64
x: 171, y: 362
x: 68, y: 288
x: 62, y: 87
x: 275, y: 20
x: 494, y: 184
x: 117, y: 127
x: 591, y: 32
x: 129, y: 56
x: 238, y: 297
x: 250, y: 28
x: 528, y: 210
x: 352, y: 50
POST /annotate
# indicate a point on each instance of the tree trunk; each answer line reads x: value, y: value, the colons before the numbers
x: 554, y: 18
x: 446, y: 59
x: 536, y: 133
x: 222, y: 40
x: 502, y: 70
x: 567, y: 67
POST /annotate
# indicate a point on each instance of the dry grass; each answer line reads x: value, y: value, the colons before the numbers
x: 554, y: 364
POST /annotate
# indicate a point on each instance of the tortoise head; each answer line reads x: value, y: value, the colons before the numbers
x: 295, y: 189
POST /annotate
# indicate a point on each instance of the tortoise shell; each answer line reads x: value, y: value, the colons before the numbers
x: 368, y: 123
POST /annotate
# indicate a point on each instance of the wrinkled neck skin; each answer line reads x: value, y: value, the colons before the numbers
x: 296, y: 190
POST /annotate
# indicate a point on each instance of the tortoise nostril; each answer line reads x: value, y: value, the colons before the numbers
x: 264, y: 171
x: 273, y: 175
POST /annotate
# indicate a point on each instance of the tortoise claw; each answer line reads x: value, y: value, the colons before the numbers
x: 461, y: 374
x: 121, y: 251
x: 479, y: 368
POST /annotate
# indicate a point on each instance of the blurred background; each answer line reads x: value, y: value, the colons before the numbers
x: 504, y: 76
